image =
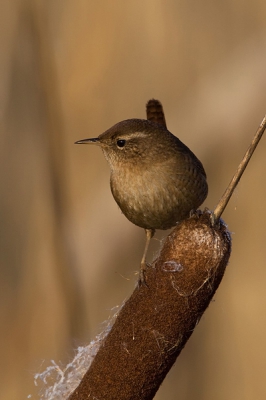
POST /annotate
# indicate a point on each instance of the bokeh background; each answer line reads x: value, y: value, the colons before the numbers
x: 71, y: 69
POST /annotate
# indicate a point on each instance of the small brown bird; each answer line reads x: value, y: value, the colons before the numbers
x: 155, y: 179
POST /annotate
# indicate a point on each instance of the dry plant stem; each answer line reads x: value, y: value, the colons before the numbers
x: 242, y: 166
x: 155, y: 323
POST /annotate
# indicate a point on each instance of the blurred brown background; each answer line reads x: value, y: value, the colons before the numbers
x: 70, y: 70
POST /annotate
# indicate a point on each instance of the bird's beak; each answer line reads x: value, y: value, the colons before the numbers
x: 88, y: 141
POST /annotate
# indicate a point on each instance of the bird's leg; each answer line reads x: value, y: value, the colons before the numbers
x: 149, y: 235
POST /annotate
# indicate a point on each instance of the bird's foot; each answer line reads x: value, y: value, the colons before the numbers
x: 142, y: 279
x: 191, y: 213
x: 213, y: 221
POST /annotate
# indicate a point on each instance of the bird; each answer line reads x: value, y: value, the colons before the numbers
x: 156, y: 180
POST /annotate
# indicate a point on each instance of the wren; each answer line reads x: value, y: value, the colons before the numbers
x: 156, y: 180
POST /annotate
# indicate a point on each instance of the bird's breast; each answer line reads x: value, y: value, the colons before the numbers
x: 157, y: 197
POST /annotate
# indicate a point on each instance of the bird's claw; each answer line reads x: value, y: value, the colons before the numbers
x: 142, y: 279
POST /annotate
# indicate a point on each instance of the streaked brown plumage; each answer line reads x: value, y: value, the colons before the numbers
x: 155, y: 179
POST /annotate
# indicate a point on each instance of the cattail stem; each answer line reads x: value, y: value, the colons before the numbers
x: 239, y: 172
x: 157, y: 320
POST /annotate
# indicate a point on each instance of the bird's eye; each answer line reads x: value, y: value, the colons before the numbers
x: 120, y: 143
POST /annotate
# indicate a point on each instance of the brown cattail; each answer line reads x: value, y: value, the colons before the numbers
x: 155, y: 323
